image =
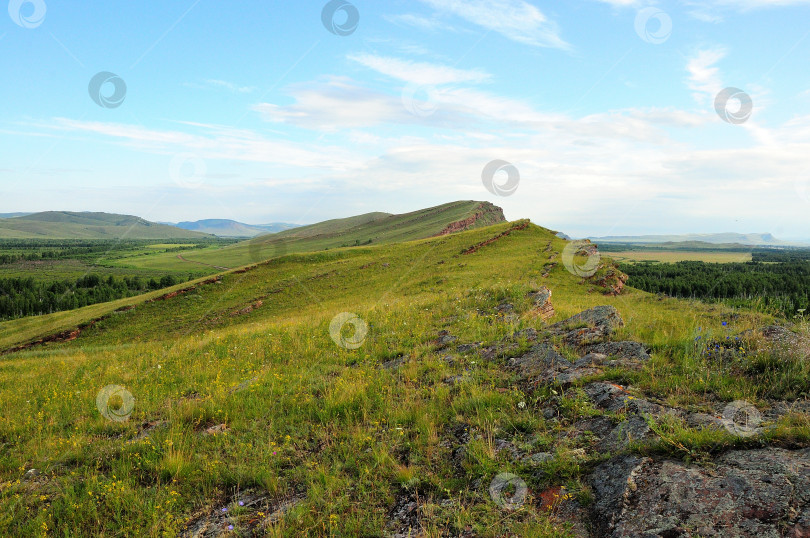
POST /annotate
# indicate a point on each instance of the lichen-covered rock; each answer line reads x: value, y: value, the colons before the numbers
x: 612, y: 397
x: 756, y: 493
x: 626, y: 352
x: 701, y: 421
x: 542, y: 303
x: 605, y: 317
x: 444, y: 339
x: 538, y: 361
x: 605, y: 435
x: 592, y: 326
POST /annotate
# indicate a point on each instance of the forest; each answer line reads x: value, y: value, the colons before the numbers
x: 775, y: 286
x: 20, y: 297
x: 17, y: 250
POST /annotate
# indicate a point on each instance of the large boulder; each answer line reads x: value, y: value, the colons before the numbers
x: 756, y: 493
x: 592, y: 326
x: 538, y: 362
x: 627, y: 353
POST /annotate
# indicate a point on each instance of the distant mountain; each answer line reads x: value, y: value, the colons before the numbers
x: 85, y: 225
x: 755, y: 239
x: 12, y: 215
x: 232, y: 228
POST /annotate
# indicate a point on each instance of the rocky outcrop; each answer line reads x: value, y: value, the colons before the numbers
x: 763, y: 492
x: 755, y: 493
x: 589, y: 327
x: 485, y: 215
x: 519, y: 225
x: 542, y: 303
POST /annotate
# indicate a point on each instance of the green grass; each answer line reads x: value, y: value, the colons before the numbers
x: 328, y: 424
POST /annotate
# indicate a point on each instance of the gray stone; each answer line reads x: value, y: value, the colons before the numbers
x: 31, y: 474
x: 605, y: 318
x: 757, y: 493
x: 633, y: 352
x: 591, y: 360
x: 466, y: 348
x: 540, y: 358
x: 704, y: 421
x: 539, y: 458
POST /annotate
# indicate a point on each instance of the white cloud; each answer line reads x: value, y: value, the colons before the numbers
x: 711, y: 10
x: 704, y: 75
x: 422, y: 23
x: 222, y: 84
x: 210, y: 142
x: 514, y: 19
x: 422, y: 73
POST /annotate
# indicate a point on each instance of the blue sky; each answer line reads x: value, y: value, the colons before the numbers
x: 256, y: 111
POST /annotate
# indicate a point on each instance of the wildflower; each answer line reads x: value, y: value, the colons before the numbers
x: 224, y: 509
x: 230, y: 527
x: 725, y: 323
x: 241, y: 503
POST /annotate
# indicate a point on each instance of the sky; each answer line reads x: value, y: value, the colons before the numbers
x: 591, y: 117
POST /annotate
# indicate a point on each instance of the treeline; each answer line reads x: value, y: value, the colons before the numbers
x: 20, y: 297
x: 783, y: 287
x: 16, y: 250
x: 787, y: 255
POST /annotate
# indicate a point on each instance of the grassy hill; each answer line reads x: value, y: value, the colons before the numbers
x: 371, y: 228
x: 250, y: 409
x: 70, y: 225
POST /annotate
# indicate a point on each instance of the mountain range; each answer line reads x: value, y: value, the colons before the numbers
x: 752, y: 239
x: 232, y: 228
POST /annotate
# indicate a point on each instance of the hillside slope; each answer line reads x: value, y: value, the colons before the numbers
x: 439, y: 387
x: 371, y: 228
x: 70, y: 225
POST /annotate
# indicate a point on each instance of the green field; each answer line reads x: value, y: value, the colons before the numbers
x: 241, y: 391
x: 672, y: 256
